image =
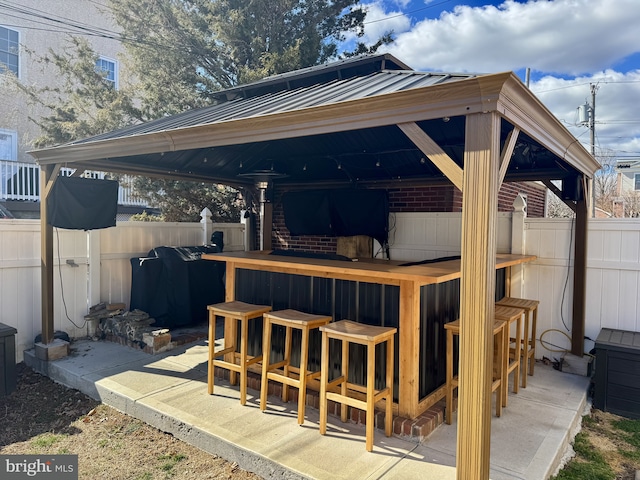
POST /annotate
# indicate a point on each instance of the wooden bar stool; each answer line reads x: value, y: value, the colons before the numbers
x: 235, y: 362
x: 499, y: 373
x: 511, y: 360
x: 530, y: 308
x: 281, y: 371
x: 351, y: 393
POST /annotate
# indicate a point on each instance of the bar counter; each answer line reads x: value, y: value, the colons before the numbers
x: 409, y: 304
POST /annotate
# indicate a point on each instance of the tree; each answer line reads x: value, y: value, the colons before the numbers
x: 179, y: 52
x: 556, y: 208
x: 184, y: 50
x: 183, y: 201
x: 631, y: 203
x: 605, y: 182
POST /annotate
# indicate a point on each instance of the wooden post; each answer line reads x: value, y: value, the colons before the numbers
x: 47, y: 177
x: 579, y: 276
x: 230, y: 324
x: 409, y: 354
x: 477, y: 292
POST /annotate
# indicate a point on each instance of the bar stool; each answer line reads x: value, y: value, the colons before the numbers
x: 530, y: 308
x: 511, y: 360
x: 235, y: 362
x: 281, y: 371
x: 498, y: 382
x: 369, y: 336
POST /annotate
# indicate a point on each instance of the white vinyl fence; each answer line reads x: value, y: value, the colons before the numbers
x: 89, y: 267
x: 94, y: 267
x: 613, y: 268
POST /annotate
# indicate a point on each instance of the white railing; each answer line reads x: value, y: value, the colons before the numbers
x: 21, y: 181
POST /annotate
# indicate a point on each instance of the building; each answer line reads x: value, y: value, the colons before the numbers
x: 627, y: 202
x: 29, y: 30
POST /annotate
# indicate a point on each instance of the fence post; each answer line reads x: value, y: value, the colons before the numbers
x: 518, y: 244
x: 93, y: 257
x: 207, y: 226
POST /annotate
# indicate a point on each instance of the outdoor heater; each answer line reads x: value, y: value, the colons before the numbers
x: 264, y: 183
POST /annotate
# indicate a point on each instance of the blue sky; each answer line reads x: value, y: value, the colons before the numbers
x: 567, y: 45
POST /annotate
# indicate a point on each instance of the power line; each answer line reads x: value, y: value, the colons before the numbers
x: 403, y: 14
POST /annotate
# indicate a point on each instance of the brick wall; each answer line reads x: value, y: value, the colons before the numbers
x: 438, y: 198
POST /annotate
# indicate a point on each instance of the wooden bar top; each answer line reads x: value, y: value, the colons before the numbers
x: 388, y: 272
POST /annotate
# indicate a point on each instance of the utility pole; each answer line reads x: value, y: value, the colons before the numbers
x: 592, y: 134
x: 587, y: 117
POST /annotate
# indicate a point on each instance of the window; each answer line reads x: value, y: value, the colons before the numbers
x: 636, y: 181
x: 8, y: 144
x: 108, y: 68
x: 9, y: 49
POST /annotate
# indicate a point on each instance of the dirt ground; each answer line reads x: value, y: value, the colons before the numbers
x: 43, y: 417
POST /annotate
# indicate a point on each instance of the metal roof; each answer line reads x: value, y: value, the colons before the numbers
x: 317, y: 94
x: 336, y: 125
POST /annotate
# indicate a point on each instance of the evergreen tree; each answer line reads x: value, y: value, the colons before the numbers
x: 179, y: 52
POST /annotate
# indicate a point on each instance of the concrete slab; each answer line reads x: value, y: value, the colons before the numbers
x: 169, y: 391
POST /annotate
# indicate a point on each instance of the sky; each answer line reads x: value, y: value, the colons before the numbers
x: 567, y: 45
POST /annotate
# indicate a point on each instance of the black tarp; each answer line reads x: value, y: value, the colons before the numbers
x: 83, y: 203
x: 339, y: 213
x: 174, y: 285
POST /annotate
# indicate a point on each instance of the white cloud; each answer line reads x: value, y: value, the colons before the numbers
x: 617, y: 116
x: 561, y: 36
x: 583, y: 41
x: 379, y: 21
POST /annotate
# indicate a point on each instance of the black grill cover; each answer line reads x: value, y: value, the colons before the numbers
x: 174, y: 285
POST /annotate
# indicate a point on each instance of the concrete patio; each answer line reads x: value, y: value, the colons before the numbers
x: 169, y: 391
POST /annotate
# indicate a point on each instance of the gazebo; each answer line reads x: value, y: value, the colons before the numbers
x: 330, y: 126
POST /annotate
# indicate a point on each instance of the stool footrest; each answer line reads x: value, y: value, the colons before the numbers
x: 224, y: 351
x: 292, y: 382
x: 352, y: 402
x: 335, y: 382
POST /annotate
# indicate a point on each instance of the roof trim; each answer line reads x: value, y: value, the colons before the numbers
x: 435, y: 101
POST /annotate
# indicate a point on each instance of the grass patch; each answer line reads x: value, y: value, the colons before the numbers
x: 46, y: 440
x: 170, y: 461
x: 607, y: 448
x: 589, y: 464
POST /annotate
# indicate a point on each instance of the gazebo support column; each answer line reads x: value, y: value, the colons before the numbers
x: 580, y: 276
x: 49, y: 348
x: 477, y: 294
x: 46, y: 254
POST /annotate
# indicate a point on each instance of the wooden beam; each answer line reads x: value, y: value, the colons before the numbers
x: 51, y: 179
x: 409, y: 354
x: 431, y: 149
x: 507, y: 152
x: 48, y: 174
x: 549, y: 184
x: 477, y: 294
x: 580, y: 274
